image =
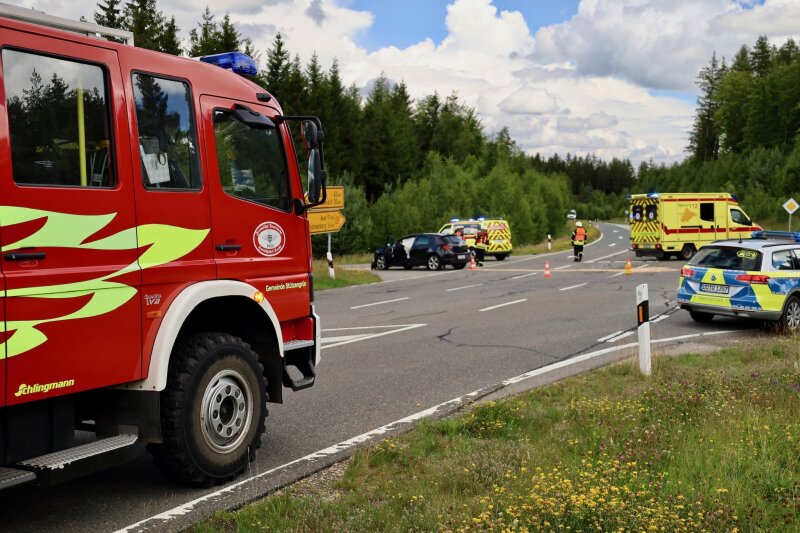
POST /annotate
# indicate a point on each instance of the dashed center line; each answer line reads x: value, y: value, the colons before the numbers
x: 525, y: 275
x: 604, y: 339
x: 562, y: 267
x: 619, y: 337
x: 612, y: 244
x: 502, y: 305
x: 573, y: 286
x: 464, y: 287
x: 380, y: 303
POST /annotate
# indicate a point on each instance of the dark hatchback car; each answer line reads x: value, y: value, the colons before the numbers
x: 432, y: 250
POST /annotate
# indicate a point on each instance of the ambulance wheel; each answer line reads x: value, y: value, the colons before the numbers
x: 500, y: 257
x: 434, y: 263
x: 687, y: 252
x: 380, y: 263
x: 699, y: 316
x: 790, y: 319
x: 212, y: 410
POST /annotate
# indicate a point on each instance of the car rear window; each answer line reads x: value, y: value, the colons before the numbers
x: 727, y: 257
x: 452, y: 239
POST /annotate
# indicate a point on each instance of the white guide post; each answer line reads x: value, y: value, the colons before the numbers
x: 643, y: 317
x: 329, y: 255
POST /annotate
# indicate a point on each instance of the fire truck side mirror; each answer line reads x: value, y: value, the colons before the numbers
x: 312, y: 137
x: 315, y: 176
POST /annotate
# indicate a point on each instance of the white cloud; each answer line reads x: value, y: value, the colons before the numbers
x: 585, y: 85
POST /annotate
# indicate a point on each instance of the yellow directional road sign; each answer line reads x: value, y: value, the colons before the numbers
x: 334, y: 199
x: 325, y: 221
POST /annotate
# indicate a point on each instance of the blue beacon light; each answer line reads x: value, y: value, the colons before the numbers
x: 234, y: 61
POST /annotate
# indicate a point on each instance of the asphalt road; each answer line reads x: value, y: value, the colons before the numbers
x: 391, y: 350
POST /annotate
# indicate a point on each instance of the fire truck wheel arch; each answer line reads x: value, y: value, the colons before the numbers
x: 180, y: 309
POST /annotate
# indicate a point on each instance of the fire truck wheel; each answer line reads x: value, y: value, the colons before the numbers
x: 212, y: 410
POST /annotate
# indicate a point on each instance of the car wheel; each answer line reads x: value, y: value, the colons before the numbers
x: 699, y: 316
x: 212, y: 410
x: 790, y: 319
x: 380, y: 263
x: 500, y: 257
x: 687, y: 252
x: 434, y: 263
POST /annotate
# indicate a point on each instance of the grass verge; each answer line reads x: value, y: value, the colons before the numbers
x: 344, y: 277
x: 708, y: 443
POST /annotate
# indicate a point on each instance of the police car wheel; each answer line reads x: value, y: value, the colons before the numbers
x: 380, y: 263
x: 698, y: 316
x: 212, y: 410
x: 790, y: 320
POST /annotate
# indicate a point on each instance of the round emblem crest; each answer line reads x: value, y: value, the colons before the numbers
x: 269, y: 239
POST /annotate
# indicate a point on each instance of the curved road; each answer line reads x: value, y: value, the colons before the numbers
x: 392, y: 350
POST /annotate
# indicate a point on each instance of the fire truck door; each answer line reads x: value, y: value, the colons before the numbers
x: 258, y: 235
x: 68, y: 241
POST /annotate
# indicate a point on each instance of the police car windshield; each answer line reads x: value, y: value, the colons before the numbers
x: 727, y: 257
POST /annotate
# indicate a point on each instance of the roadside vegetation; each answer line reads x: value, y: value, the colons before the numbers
x: 345, y: 277
x: 708, y: 443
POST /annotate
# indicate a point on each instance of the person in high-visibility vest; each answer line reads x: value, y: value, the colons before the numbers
x: 578, y: 240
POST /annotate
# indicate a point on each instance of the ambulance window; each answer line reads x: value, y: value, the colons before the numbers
x: 637, y: 212
x: 739, y: 218
x: 167, y: 133
x: 58, y: 119
x: 251, y: 162
x: 651, y: 212
x: 707, y: 211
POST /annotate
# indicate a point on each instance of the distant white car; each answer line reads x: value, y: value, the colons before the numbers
x: 572, y: 215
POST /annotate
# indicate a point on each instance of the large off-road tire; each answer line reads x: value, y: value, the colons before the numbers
x: 790, y: 319
x: 433, y: 262
x: 212, y: 410
x: 380, y: 262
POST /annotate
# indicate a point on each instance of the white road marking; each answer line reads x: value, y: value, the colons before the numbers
x: 620, y: 337
x: 328, y: 340
x: 616, y: 231
x: 562, y: 267
x: 612, y: 244
x: 607, y: 256
x: 621, y: 237
x: 359, y: 338
x: 573, y: 287
x: 197, y: 503
x: 464, y: 287
x: 525, y: 275
x: 659, y: 318
x: 380, y: 303
x: 502, y: 305
x: 604, y: 339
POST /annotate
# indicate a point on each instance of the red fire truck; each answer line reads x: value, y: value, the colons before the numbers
x: 156, y: 261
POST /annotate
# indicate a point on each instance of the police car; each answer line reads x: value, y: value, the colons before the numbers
x: 750, y: 278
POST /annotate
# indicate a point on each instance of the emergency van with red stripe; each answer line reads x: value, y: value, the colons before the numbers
x: 678, y: 224
x: 156, y: 258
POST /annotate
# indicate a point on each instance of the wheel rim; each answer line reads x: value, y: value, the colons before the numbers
x: 433, y: 262
x: 793, y: 315
x: 381, y: 263
x: 226, y: 411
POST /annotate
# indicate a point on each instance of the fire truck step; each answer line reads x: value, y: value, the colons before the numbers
x: 298, y: 357
x: 296, y: 345
x: 81, y: 460
x: 11, y: 477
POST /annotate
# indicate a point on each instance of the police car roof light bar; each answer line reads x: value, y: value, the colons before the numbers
x: 51, y: 21
x: 234, y: 61
x: 778, y: 235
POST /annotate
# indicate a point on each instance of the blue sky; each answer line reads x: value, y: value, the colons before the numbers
x: 402, y: 24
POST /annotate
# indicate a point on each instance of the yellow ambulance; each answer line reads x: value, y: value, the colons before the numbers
x: 487, y: 236
x: 667, y: 224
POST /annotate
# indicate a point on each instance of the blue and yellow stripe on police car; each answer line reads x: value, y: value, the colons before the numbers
x: 769, y: 296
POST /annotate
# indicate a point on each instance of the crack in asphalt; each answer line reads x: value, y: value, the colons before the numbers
x: 443, y: 338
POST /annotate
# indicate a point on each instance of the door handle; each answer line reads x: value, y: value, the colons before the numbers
x: 229, y: 247
x: 24, y: 256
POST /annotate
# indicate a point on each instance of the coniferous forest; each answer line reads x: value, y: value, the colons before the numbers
x: 409, y: 166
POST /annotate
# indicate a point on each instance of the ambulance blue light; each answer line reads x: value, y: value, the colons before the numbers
x: 652, y: 195
x: 235, y: 61
x: 481, y: 219
x: 454, y: 220
x: 780, y: 235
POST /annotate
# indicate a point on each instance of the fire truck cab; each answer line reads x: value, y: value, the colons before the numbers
x: 156, y: 260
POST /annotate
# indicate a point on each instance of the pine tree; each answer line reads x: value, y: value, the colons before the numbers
x: 108, y: 14
x: 229, y: 39
x: 278, y: 66
x: 146, y: 22
x: 169, y: 41
x: 741, y: 61
x: 761, y: 57
x: 704, y: 140
x: 206, y: 41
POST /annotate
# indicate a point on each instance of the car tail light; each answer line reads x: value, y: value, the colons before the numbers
x: 687, y: 272
x: 753, y: 278
x: 444, y: 247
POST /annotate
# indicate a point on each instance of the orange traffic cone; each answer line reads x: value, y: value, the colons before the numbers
x: 628, y: 269
x: 547, y: 273
x: 472, y: 261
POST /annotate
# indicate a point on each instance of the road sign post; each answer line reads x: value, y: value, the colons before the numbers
x: 643, y: 318
x: 327, y: 218
x: 791, y: 206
